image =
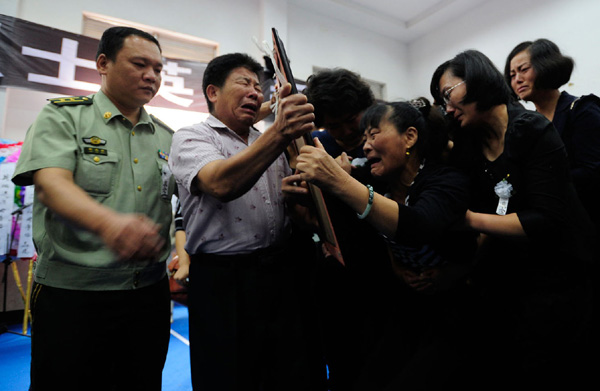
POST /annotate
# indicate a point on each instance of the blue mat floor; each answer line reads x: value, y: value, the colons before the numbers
x: 15, y: 355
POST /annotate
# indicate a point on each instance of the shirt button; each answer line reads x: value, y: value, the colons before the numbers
x: 135, y: 161
x: 139, y: 188
x: 96, y: 159
x: 107, y: 114
x: 132, y: 133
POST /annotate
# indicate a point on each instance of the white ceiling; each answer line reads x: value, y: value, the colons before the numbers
x: 404, y: 20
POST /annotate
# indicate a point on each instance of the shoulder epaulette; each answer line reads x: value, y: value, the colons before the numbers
x: 589, y: 98
x: 159, y: 122
x: 72, y: 101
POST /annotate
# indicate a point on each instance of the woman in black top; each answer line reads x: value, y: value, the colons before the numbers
x: 530, y: 271
x: 424, y: 343
x: 535, y: 71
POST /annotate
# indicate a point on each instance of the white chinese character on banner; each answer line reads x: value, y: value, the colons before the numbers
x: 68, y: 61
x: 172, y: 83
x: 171, y: 72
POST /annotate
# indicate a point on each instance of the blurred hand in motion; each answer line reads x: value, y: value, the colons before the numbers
x: 133, y: 236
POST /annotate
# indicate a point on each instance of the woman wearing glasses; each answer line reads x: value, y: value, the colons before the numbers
x: 530, y: 265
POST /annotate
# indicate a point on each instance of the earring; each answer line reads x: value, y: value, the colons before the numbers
x: 408, y: 152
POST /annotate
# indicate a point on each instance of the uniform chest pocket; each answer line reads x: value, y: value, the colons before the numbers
x: 96, y: 173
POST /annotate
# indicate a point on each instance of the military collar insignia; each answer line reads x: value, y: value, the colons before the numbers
x: 94, y: 140
x: 163, y: 156
x: 72, y: 101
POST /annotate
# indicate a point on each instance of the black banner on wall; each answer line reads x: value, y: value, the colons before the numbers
x: 47, y: 59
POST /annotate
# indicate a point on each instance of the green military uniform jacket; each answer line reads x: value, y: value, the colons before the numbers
x: 120, y: 166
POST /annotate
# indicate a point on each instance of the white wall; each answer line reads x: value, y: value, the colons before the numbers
x: 318, y: 41
x: 9, y: 7
x: 496, y: 27
x: 230, y: 22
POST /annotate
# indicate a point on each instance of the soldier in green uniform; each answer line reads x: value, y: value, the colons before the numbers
x: 102, y: 214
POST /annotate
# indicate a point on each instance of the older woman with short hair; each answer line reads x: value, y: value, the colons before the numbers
x: 418, y: 213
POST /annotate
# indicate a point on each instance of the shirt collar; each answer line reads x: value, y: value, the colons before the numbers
x: 108, y: 111
x: 215, y: 123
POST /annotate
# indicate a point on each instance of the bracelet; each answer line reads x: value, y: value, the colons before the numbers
x: 369, y: 203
